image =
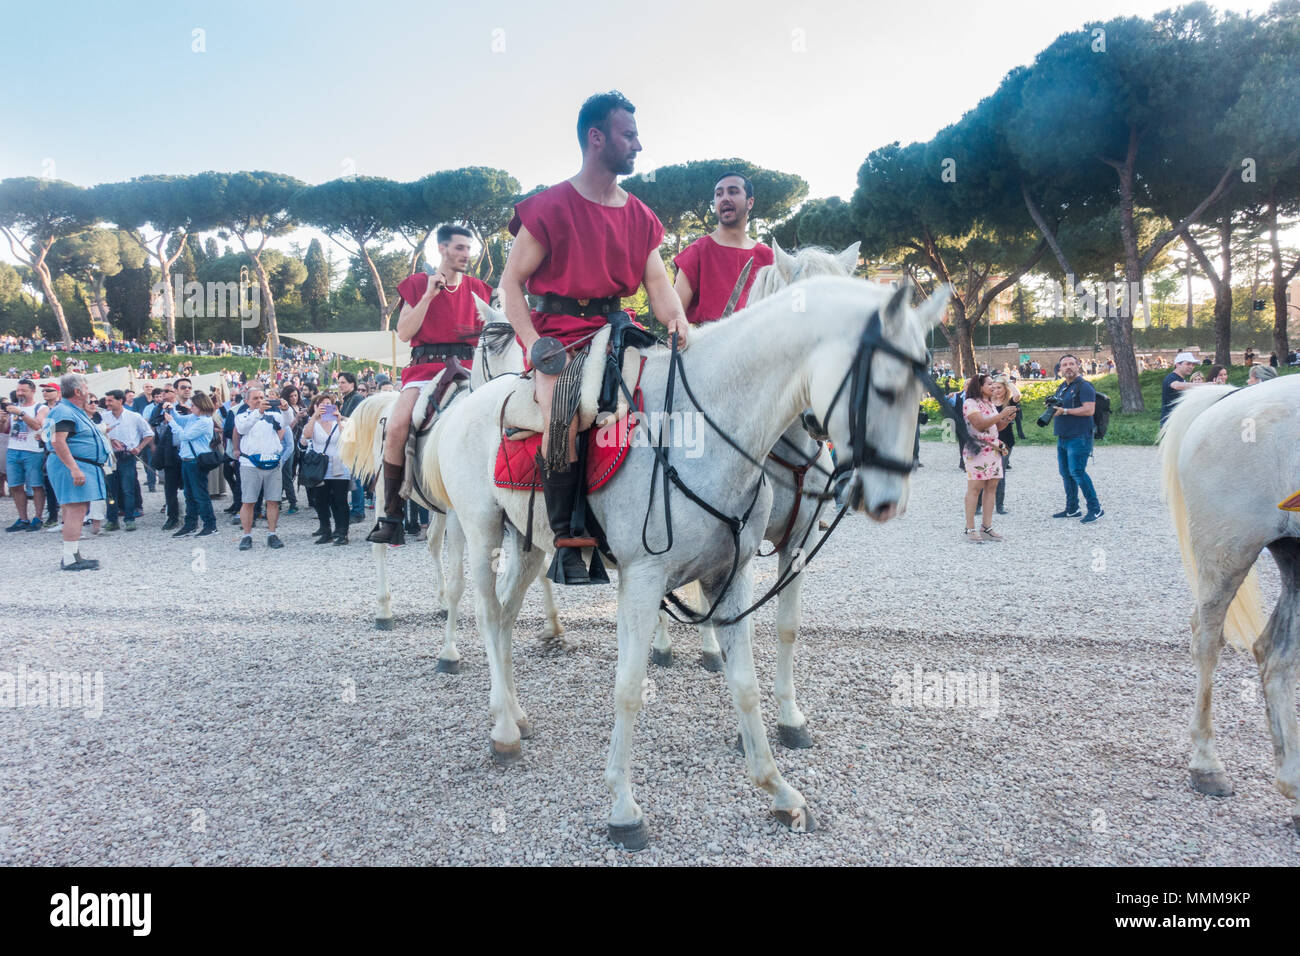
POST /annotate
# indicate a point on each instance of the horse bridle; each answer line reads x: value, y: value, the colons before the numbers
x: 862, y: 454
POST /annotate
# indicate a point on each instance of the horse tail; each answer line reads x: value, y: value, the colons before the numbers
x: 1245, y: 619
x: 359, y: 449
x: 432, y: 474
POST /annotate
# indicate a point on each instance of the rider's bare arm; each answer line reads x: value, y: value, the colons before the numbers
x: 667, y: 306
x: 409, y: 319
x: 526, y: 254
x: 683, y: 289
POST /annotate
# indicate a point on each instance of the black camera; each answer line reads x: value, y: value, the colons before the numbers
x: 1052, y: 403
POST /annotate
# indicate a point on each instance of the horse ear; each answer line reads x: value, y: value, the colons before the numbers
x: 898, y: 299
x: 931, y: 310
x: 485, y: 311
x: 785, y: 263
x: 849, y: 258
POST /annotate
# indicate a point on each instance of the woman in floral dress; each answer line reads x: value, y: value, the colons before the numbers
x: 984, y: 468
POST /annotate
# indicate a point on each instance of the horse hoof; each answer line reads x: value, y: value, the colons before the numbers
x: 1212, y: 783
x: 448, y: 667
x: 711, y: 662
x: 660, y: 659
x: 740, y: 745
x: 383, y: 624
x: 632, y: 836
x: 506, y: 754
x: 1295, y: 822
x: 798, y: 820
x: 795, y: 738
x: 525, y: 729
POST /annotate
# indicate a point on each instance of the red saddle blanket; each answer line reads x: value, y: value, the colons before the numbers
x: 606, y: 451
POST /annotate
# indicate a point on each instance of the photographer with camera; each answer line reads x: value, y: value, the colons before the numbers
x: 261, y: 429
x: 25, y: 459
x: 1070, y: 411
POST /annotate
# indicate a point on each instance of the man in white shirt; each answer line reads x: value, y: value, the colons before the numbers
x: 261, y: 436
x: 130, y: 435
x: 25, y: 460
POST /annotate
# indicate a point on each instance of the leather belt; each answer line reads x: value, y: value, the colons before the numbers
x: 581, y: 308
x: 441, y: 351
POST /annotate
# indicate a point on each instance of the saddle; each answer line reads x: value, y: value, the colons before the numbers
x: 601, y: 401
x: 436, y: 395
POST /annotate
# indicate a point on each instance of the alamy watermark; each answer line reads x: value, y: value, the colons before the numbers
x: 665, y: 429
x: 1110, y: 300
x: 53, y: 689
x: 215, y: 300
x: 974, y: 690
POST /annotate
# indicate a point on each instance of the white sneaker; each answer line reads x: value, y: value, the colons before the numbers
x: 54, y: 527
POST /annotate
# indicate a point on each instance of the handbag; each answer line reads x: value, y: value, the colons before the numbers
x: 208, y: 460
x: 314, y: 465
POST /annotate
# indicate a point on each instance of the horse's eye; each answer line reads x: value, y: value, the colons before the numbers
x: 888, y: 394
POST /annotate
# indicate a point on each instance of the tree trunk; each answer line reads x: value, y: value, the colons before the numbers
x: 47, y: 287
x: 963, y: 349
x: 1223, y: 297
x: 1121, y: 326
x: 97, y: 286
x: 268, y: 307
x: 1280, y: 342
x: 384, y: 313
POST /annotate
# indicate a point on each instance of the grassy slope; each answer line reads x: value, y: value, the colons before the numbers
x: 1140, y: 429
x: 202, y: 363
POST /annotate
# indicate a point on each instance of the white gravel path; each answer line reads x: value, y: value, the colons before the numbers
x: 251, y: 714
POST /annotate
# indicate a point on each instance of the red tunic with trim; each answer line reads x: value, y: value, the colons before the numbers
x: 592, y: 252
x: 450, y: 317
x: 712, y: 270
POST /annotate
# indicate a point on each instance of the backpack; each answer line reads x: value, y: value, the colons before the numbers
x: 1101, y: 416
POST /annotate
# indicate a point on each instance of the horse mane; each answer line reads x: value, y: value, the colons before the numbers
x: 496, y: 337
x: 809, y: 261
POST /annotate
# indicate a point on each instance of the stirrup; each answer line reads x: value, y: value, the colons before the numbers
x: 387, y: 531
x: 567, y: 568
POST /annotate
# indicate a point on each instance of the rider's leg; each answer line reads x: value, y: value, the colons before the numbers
x: 388, y: 529
x: 559, y: 488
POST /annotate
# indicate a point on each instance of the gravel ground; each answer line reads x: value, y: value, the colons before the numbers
x: 249, y: 720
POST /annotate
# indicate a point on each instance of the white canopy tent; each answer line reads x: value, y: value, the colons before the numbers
x: 383, y: 348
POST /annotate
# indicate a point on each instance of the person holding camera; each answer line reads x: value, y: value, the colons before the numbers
x: 260, y: 428
x: 322, y: 434
x: 984, y: 467
x: 193, y: 435
x: 25, y: 459
x: 1070, y: 411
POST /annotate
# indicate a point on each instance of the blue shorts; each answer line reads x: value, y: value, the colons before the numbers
x: 25, y: 468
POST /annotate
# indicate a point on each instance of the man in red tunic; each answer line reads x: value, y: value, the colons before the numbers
x: 580, y: 246
x: 708, y: 268
x: 439, y: 319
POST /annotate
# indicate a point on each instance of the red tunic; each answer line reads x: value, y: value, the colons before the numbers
x: 592, y: 252
x: 712, y: 271
x: 450, y: 317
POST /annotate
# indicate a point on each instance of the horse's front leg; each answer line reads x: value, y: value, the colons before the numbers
x: 736, y: 640
x: 639, y: 592
x: 791, y: 724
x: 661, y: 646
x: 1277, y: 651
x: 449, y: 656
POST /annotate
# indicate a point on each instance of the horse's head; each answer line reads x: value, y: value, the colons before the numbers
x: 498, y: 350
x: 806, y: 262
x: 870, y: 411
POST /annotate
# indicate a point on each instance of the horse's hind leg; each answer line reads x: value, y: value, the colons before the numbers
x: 791, y: 724
x: 437, y: 525
x: 1278, y: 653
x: 454, y: 589
x: 553, y: 630
x: 384, y: 619
x: 1216, y: 586
x: 661, y: 647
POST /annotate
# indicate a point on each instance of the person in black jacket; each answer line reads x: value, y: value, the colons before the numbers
x: 166, y: 457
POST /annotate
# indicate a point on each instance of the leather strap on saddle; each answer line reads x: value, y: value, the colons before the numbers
x: 580, y: 308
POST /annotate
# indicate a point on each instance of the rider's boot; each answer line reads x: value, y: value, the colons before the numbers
x: 388, y: 529
x: 559, y: 489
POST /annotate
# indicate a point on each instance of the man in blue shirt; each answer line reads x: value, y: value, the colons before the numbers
x: 1072, y: 425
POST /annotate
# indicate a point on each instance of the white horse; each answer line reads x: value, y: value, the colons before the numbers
x: 1229, y: 455
x: 794, y: 510
x: 816, y: 347
x: 362, y: 450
